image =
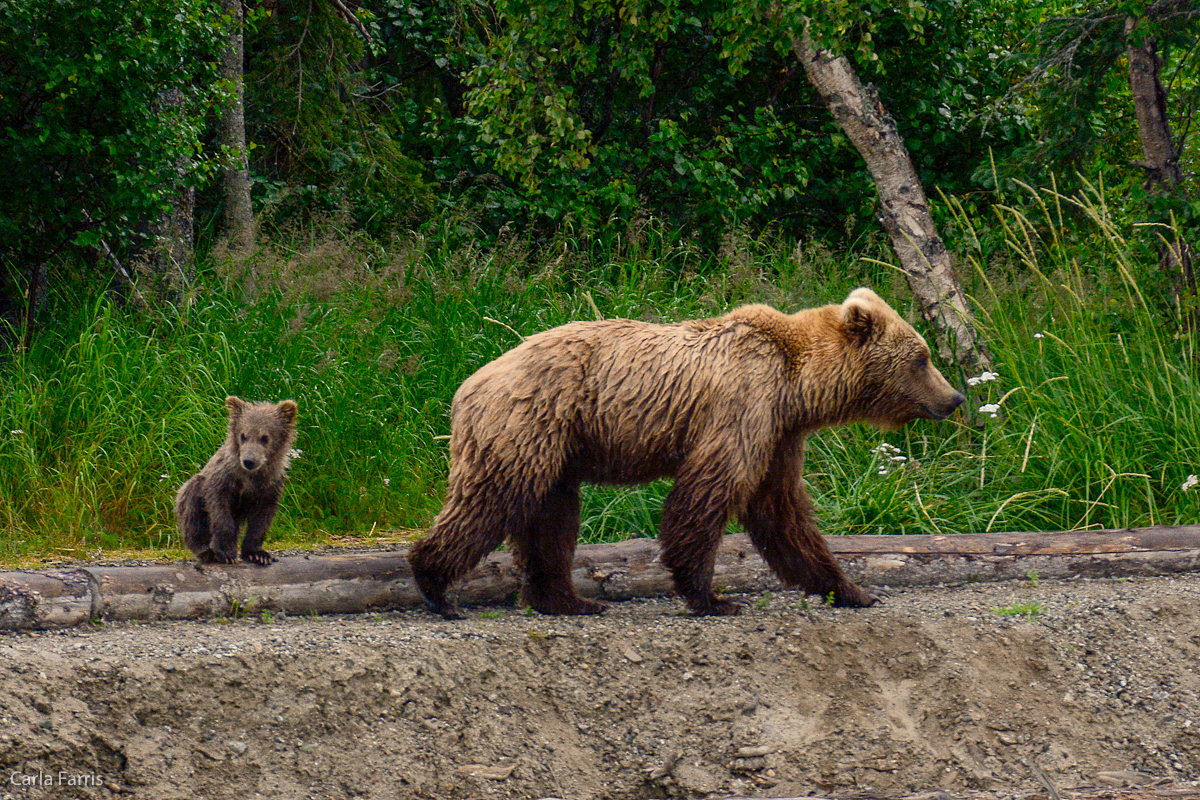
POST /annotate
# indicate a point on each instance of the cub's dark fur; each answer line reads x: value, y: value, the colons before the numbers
x: 241, y: 483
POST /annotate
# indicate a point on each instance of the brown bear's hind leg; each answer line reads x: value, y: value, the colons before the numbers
x: 544, y: 550
x: 693, y: 522
x: 461, y: 535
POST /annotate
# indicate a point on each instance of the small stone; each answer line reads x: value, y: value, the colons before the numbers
x: 491, y: 773
x: 755, y: 752
x: 1124, y: 777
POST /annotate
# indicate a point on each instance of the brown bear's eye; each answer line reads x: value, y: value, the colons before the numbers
x: 243, y: 437
x: 922, y: 364
x: 264, y: 439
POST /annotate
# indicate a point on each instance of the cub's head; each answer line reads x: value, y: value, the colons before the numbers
x: 261, y: 433
x: 891, y: 363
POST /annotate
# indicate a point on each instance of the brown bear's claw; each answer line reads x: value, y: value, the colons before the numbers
x: 260, y: 557
x: 216, y: 557
x: 852, y: 596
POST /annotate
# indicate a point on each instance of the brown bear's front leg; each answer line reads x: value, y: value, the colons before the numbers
x: 694, y: 519
x: 544, y: 550
x: 257, y: 525
x: 223, y: 527
x: 782, y: 524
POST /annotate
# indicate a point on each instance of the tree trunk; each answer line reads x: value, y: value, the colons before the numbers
x: 235, y: 176
x: 172, y: 248
x: 904, y: 210
x: 1160, y: 156
x: 1161, y: 160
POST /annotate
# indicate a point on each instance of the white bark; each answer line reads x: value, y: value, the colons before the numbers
x: 904, y: 210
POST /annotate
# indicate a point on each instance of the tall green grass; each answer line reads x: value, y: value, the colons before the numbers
x: 113, y: 408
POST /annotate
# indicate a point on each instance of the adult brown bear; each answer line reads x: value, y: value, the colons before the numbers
x: 723, y: 405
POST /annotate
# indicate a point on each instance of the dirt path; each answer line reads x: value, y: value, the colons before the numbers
x: 933, y: 690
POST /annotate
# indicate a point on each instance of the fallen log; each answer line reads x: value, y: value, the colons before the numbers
x: 357, y: 582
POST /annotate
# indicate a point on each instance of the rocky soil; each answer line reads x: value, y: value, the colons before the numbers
x: 993, y: 689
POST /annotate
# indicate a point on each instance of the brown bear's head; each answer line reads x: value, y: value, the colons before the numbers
x: 897, y: 381
x: 261, y: 433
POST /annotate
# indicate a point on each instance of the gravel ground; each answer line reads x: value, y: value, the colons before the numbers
x: 1080, y: 683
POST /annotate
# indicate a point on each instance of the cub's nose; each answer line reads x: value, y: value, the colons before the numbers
x: 249, y: 464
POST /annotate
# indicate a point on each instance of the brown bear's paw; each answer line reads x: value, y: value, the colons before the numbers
x: 569, y: 606
x: 444, y: 609
x: 715, y: 607
x: 850, y: 595
x: 260, y: 557
x: 211, y: 556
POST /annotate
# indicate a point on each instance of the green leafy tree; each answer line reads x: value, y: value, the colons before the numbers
x: 700, y: 113
x: 325, y: 134
x: 618, y: 103
x: 89, y: 154
x: 1112, y: 90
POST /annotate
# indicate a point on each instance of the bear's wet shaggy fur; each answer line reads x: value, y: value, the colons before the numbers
x: 724, y: 406
x: 241, y: 483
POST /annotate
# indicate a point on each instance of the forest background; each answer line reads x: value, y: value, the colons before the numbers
x: 357, y: 205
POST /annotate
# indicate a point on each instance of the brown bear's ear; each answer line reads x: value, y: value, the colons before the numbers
x: 235, y: 405
x: 860, y: 319
x: 286, y: 410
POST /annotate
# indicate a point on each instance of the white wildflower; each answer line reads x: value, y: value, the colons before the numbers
x: 1039, y: 336
x: 295, y: 453
x: 387, y: 481
x: 889, y: 456
x: 17, y: 432
x: 1191, y: 483
x: 163, y: 477
x: 986, y: 377
x: 991, y: 409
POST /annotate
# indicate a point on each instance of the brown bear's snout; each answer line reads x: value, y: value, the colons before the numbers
x: 944, y: 410
x: 249, y: 464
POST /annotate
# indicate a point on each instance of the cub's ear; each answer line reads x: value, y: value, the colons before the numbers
x: 860, y: 316
x: 236, y: 405
x: 286, y: 410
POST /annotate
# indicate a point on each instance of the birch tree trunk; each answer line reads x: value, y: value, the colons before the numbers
x: 904, y: 210
x: 235, y: 176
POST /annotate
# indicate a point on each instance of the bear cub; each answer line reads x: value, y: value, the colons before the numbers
x: 241, y: 483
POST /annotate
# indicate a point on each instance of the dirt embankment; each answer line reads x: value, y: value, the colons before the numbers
x: 932, y: 690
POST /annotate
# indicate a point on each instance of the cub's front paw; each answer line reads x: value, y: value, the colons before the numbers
x: 260, y: 557
x: 211, y: 556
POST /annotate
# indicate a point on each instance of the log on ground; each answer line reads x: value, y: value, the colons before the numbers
x: 357, y: 582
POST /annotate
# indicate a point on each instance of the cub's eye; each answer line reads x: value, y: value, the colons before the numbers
x: 264, y: 439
